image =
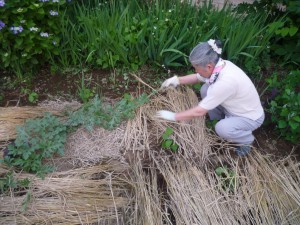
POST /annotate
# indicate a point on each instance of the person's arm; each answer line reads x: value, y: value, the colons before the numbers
x: 188, y: 79
x: 190, y: 113
x: 182, y: 116
x: 175, y: 81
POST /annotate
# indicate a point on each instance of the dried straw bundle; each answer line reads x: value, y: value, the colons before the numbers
x: 145, y: 131
x: 83, y: 196
x: 164, y: 187
x: 84, y: 148
x: 10, y: 117
x: 259, y: 191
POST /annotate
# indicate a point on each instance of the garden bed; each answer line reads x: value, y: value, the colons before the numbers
x: 201, y: 181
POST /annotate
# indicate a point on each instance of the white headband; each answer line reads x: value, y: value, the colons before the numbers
x: 212, y: 43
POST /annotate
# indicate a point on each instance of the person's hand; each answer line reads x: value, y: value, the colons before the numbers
x: 171, y: 82
x: 167, y: 115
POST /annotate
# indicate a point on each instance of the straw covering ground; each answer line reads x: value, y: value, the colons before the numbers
x: 126, y: 177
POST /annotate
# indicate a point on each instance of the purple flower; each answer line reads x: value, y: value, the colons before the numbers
x: 2, y: 3
x: 1, y: 25
x: 54, y: 42
x: 53, y: 13
x: 16, y: 30
x: 44, y: 0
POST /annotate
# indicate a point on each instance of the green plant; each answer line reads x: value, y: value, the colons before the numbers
x: 37, y: 140
x: 285, y: 42
x: 167, y: 142
x: 98, y: 113
x: 33, y: 97
x: 228, y: 178
x: 285, y: 107
x: 29, y: 34
x: 8, y: 181
x: 26, y: 200
x: 84, y: 92
x: 40, y: 139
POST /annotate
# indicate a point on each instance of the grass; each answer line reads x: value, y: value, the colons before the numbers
x: 132, y: 34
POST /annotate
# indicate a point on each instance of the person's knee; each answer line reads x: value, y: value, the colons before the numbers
x: 223, y: 130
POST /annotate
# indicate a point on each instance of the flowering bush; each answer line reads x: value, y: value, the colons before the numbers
x: 29, y: 33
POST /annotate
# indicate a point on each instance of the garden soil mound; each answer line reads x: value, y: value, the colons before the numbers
x: 125, y: 176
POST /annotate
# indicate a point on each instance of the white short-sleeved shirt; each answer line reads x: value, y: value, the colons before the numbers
x: 235, y: 92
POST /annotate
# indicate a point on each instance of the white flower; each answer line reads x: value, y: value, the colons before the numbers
x: 212, y: 44
x: 33, y: 29
x: 155, y: 27
x: 44, y: 34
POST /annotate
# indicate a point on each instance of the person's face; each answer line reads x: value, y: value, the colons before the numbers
x: 204, y: 71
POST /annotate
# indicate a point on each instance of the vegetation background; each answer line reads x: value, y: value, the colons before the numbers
x: 88, y: 49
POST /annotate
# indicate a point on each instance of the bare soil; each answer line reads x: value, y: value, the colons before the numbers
x: 113, y: 85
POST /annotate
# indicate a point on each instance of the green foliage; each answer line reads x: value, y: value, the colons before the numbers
x: 8, y: 181
x: 228, y: 178
x: 285, y: 107
x: 97, y: 113
x: 84, y: 92
x: 167, y: 142
x: 26, y: 200
x: 286, y: 40
x: 33, y: 97
x: 287, y: 43
x: 29, y: 34
x: 162, y: 33
x: 37, y: 139
x: 40, y: 139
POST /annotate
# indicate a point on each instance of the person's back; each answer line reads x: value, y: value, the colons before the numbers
x: 235, y: 92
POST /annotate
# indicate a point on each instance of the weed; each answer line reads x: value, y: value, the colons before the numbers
x: 84, y: 92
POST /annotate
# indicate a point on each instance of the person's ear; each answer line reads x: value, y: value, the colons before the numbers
x: 210, y: 67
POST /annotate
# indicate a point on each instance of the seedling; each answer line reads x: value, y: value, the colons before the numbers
x: 228, y: 177
x: 167, y: 142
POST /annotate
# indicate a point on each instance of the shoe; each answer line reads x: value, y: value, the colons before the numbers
x: 243, y: 150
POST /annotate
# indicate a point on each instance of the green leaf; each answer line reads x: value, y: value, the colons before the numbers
x: 293, y: 125
x: 168, y: 143
x: 167, y: 133
x: 221, y: 170
x: 282, y: 124
x: 174, y: 147
x: 297, y: 118
x: 293, y: 30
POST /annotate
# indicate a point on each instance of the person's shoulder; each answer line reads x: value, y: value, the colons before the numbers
x: 232, y: 68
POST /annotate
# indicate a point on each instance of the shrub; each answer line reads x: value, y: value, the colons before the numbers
x: 285, y: 107
x: 29, y: 33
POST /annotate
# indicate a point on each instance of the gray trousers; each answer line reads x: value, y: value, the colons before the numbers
x: 233, y: 128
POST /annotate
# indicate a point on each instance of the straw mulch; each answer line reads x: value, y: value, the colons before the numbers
x: 80, y: 196
x: 10, y: 117
x: 157, y: 186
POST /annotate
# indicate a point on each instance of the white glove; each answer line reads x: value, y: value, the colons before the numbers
x: 167, y: 115
x: 173, y: 82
